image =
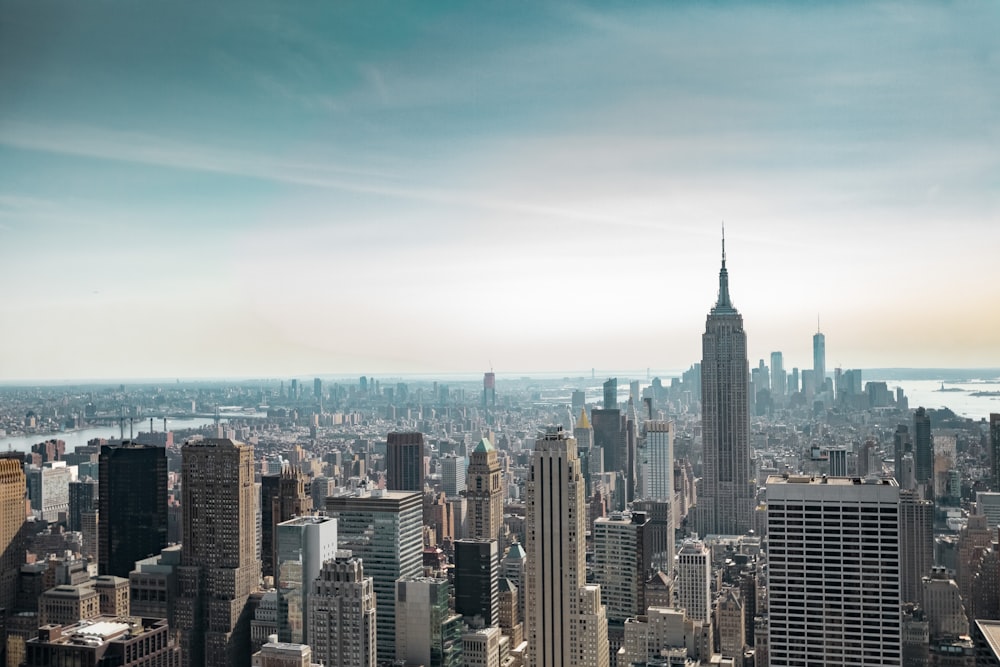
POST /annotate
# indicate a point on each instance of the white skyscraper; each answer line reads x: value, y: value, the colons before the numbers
x: 453, y: 474
x: 694, y: 580
x: 656, y: 461
x: 833, y: 571
x: 566, y: 621
x: 304, y: 544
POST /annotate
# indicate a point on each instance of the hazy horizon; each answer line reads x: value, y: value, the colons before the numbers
x: 190, y: 191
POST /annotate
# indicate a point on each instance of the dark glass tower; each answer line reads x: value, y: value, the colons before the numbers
x: 477, y: 575
x: 405, y: 462
x: 923, y: 447
x: 727, y: 500
x: 132, y: 506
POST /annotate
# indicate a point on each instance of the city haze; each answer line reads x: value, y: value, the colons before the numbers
x: 374, y: 188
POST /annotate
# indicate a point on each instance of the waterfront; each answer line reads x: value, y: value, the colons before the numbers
x: 81, y: 436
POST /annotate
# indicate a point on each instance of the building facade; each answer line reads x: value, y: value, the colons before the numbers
x: 342, y: 628
x: 484, y: 493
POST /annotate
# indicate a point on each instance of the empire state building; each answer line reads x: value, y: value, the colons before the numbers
x: 727, y: 499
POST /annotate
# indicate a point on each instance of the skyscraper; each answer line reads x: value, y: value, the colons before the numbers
x: 12, y: 491
x: 132, y: 506
x: 694, y: 580
x: 283, y: 497
x: 384, y: 530
x: 611, y: 394
x: 656, y: 461
x: 342, y: 614
x: 405, y: 462
x: 819, y: 361
x: 483, y: 493
x: 426, y: 631
x: 779, y: 379
x: 621, y: 564
x: 833, y: 592
x: 727, y: 500
x: 923, y: 447
x: 453, y: 477
x: 489, y: 390
x: 477, y: 575
x: 218, y: 568
x: 916, y: 543
x: 566, y: 621
x: 303, y: 545
x: 995, y: 449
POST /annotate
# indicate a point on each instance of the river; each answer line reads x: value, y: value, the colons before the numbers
x: 78, y: 437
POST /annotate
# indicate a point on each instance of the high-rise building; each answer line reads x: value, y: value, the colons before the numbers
x: 515, y: 568
x: 282, y: 497
x: 591, y: 459
x: 726, y: 504
x: 303, y: 545
x: 610, y: 437
x: 656, y: 461
x: 405, y: 462
x: 342, y: 626
x: 132, y: 506
x: 484, y: 493
x: 218, y: 568
x: 566, y: 621
x: 611, y: 394
x: 819, y: 362
x: 48, y: 489
x: 659, y: 532
x: 383, y: 529
x: 82, y: 498
x: 923, y: 447
x: 916, y: 543
x: 779, y: 379
x: 995, y: 449
x: 902, y: 444
x: 845, y: 575
x: 477, y: 575
x: 489, y: 390
x: 426, y: 631
x: 694, y: 580
x: 453, y: 475
x: 12, y: 492
x: 621, y: 564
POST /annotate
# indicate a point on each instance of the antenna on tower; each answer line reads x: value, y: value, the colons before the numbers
x: 818, y: 330
x: 723, y: 242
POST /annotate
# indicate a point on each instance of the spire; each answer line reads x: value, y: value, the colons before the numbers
x: 723, y: 303
x: 583, y: 422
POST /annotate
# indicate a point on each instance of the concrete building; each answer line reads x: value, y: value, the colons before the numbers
x: 384, y: 530
x: 282, y: 497
x: 13, y: 486
x: 694, y: 580
x: 342, y: 627
x: 283, y: 654
x: 453, y: 475
x: 566, y: 622
x: 48, y: 488
x: 104, y: 640
x: 132, y: 505
x: 621, y: 564
x: 726, y: 502
x: 916, y: 543
x: 656, y: 461
x: 219, y: 568
x: 153, y: 585
x: 484, y: 493
x: 730, y: 623
x: 303, y: 545
x: 833, y: 571
x: 485, y: 648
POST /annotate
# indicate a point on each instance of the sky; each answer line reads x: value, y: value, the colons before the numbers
x: 195, y: 190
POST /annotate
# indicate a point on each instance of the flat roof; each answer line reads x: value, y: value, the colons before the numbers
x: 991, y: 632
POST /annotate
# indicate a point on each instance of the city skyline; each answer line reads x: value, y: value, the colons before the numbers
x: 189, y: 193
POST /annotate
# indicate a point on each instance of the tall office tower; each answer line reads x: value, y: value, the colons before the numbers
x: 694, y: 580
x: 90, y: 528
x: 779, y: 379
x: 218, y: 566
x: 819, y: 362
x: 916, y: 543
x: 584, y: 435
x: 621, y: 564
x: 973, y: 540
x: 730, y: 622
x: 611, y: 394
x: 453, y: 475
x: 132, y: 506
x: 869, y: 459
x: 610, y: 436
x: 923, y: 447
x: 12, y: 491
x: 342, y: 614
x: 404, y: 462
x: 282, y: 497
x: 659, y: 532
x: 631, y: 451
x: 427, y: 633
x: 656, y: 461
x: 726, y: 504
x: 942, y: 603
x: 304, y: 544
x: 793, y: 381
x: 484, y: 493
x: 477, y: 576
x: 385, y: 530
x: 901, y: 445
x: 566, y: 621
x: 995, y: 449
x: 489, y: 390
x: 837, y: 459
x: 833, y: 594
x: 82, y: 498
